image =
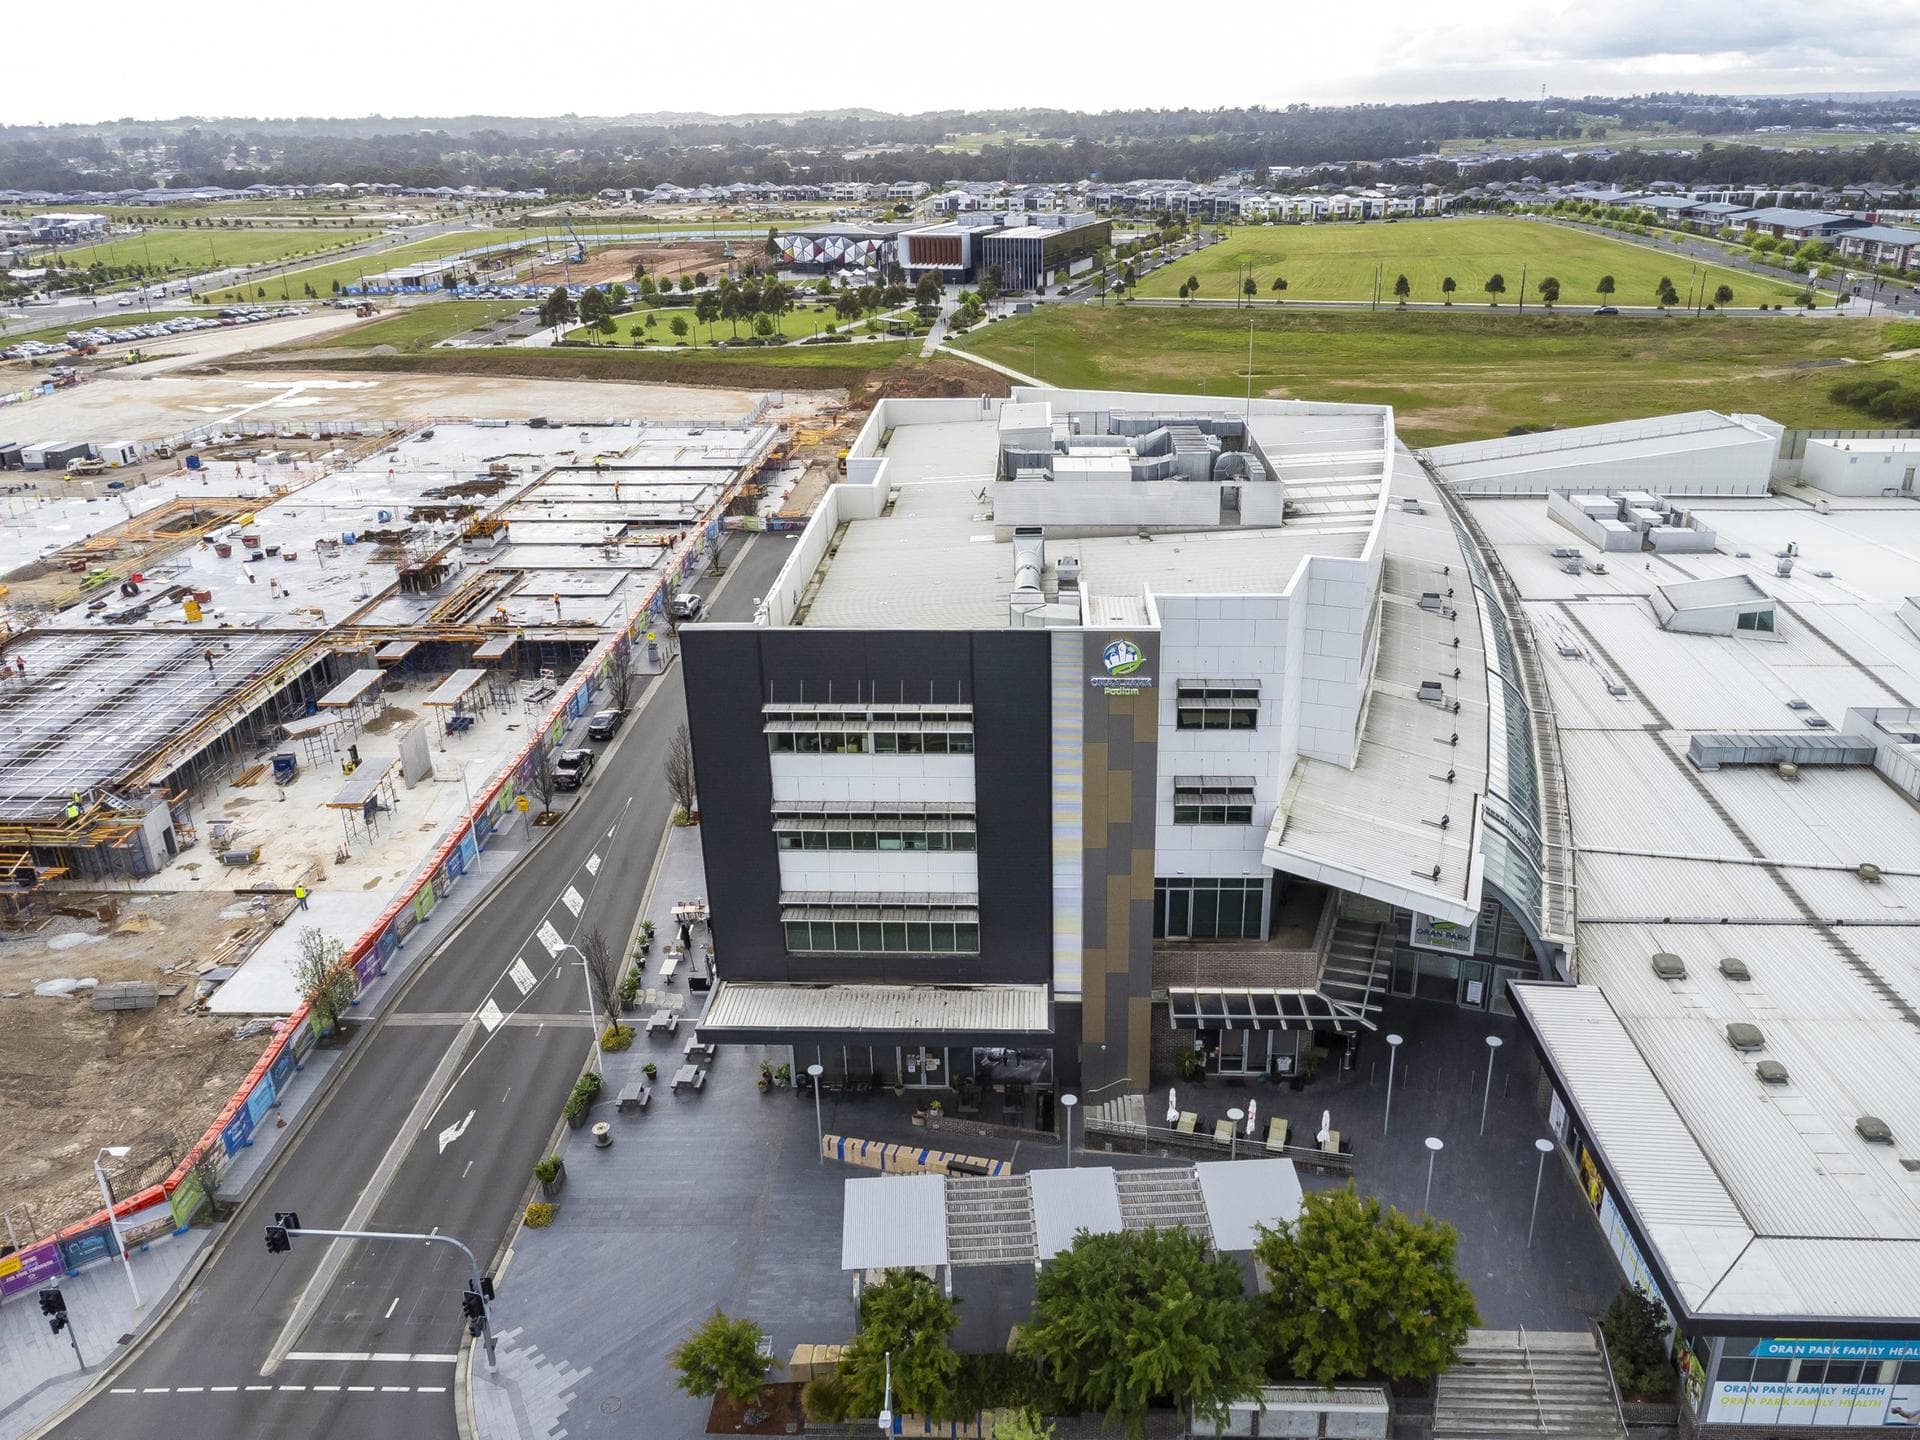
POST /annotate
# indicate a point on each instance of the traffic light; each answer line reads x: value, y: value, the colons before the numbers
x: 54, y: 1306
x: 473, y: 1304
x: 278, y: 1241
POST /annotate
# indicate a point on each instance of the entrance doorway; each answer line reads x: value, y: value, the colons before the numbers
x: 922, y: 1068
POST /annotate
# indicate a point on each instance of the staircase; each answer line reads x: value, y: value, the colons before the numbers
x: 1519, y: 1383
x: 1354, y: 973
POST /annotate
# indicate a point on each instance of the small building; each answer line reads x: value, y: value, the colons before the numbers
x: 1724, y: 605
x: 1882, y: 245
x: 1869, y: 466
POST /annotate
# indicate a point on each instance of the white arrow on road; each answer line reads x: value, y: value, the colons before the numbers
x: 454, y: 1132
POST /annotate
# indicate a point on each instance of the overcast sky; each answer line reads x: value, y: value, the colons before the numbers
x: 359, y: 57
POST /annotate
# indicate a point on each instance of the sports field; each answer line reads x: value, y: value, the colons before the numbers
x: 423, y: 325
x: 191, y: 252
x: 349, y: 272
x: 1339, y: 262
x: 803, y: 319
x: 1458, y: 377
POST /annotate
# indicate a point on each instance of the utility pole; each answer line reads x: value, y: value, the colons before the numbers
x: 476, y: 1303
x: 1523, y: 289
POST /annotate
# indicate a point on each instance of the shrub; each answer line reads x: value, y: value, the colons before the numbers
x: 722, y: 1354
x: 1636, y: 1330
x: 1901, y: 335
x: 825, y: 1400
x: 545, y: 1170
x: 540, y: 1214
x: 585, y: 1091
x: 617, y: 1037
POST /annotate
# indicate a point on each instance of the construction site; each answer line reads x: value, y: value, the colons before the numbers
x: 273, y: 685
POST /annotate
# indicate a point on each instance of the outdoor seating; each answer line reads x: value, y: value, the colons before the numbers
x: 694, y: 1050
x: 664, y: 1020
x: 1331, y: 1145
x: 1277, y: 1133
x: 1223, y: 1131
x: 1188, y: 1122
x: 635, y: 1097
x: 691, y: 1076
x: 669, y: 963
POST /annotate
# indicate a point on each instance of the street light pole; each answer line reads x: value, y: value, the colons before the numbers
x: 1545, y: 1147
x: 1493, y: 1050
x: 819, y: 1125
x: 1067, y: 1102
x: 1236, y: 1115
x: 593, y: 1010
x: 118, y: 1152
x: 1434, y: 1146
x: 475, y: 1281
x: 1394, y: 1042
x: 886, y: 1405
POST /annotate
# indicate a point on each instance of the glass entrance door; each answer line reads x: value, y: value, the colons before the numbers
x: 922, y: 1068
x: 1476, y: 984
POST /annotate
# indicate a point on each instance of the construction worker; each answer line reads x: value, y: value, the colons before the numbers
x: 300, y: 894
x: 73, y: 806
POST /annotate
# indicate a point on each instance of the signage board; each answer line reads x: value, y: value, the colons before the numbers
x: 1429, y: 932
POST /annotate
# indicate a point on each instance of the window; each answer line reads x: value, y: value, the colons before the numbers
x: 827, y: 729
x: 1758, y: 620
x: 908, y: 924
x: 1207, y: 909
x: 1218, y: 800
x: 1217, y: 704
x: 849, y: 825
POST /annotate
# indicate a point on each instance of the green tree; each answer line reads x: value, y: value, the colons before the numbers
x: 722, y: 1354
x: 645, y: 283
x: 678, y: 325
x: 1020, y: 1425
x: 926, y: 291
x: 1496, y: 286
x: 1359, y: 1289
x: 634, y: 332
x: 325, y: 980
x: 1668, y: 295
x: 1279, y: 284
x: 907, y: 1317
x: 1605, y: 287
x: 706, y: 310
x: 686, y: 282
x: 1447, y: 287
x: 772, y: 246
x: 1549, y: 289
x: 1636, y: 1330
x: 1250, y: 287
x: 1723, y: 295
x: 1125, y: 1321
x: 1193, y: 284
x: 1401, y: 289
x: 763, y: 325
x: 593, y: 305
x: 558, y: 308
x: 1183, y: 289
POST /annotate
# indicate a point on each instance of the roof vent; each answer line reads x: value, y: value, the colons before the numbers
x: 1735, y: 969
x: 1669, y: 967
x: 1912, y: 1167
x: 1798, y: 705
x: 1872, y: 1127
x: 1787, y: 770
x: 1771, y: 1072
x: 1743, y: 1036
x: 1868, y: 871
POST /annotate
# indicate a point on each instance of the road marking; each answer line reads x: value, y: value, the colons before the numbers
x: 361, y: 1389
x: 550, y: 938
x: 252, y: 1388
x: 326, y: 1387
x: 448, y: 1136
x: 521, y: 976
x: 188, y: 1389
x: 430, y: 1389
x: 154, y: 1390
x: 509, y: 1091
x: 611, y: 828
x: 293, y: 1387
x: 491, y: 1015
x: 593, y: 863
x: 463, y: 1173
x: 396, y: 1303
x: 125, y: 1390
x: 224, y: 1389
x: 570, y: 897
x: 399, y: 1357
x: 395, y: 1389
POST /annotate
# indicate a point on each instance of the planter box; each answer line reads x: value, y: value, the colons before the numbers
x: 550, y: 1189
x: 574, y: 1122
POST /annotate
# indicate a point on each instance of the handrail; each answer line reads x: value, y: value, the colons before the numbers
x: 1613, y: 1385
x: 1539, y: 1414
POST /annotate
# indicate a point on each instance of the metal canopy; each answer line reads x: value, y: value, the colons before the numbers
x: 365, y: 782
x: 1065, y: 1202
x: 1243, y: 1194
x: 453, y: 689
x: 894, y: 1221
x: 396, y: 649
x: 1241, y: 1008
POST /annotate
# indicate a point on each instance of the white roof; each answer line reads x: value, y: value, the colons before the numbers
x: 1242, y: 1195
x: 1670, y: 437
x: 934, y: 1009
x: 1066, y: 1202
x: 894, y: 1220
x: 1703, y: 594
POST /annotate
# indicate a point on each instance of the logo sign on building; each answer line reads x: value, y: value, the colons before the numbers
x: 1837, y: 1350
x: 1429, y: 932
x: 1120, y: 665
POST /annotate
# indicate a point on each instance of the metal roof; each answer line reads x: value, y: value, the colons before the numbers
x: 894, y: 1221
x: 1066, y: 1202
x: 351, y: 690
x: 932, y: 1009
x: 451, y: 690
x: 1242, y: 1195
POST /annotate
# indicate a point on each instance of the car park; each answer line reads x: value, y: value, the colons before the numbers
x: 605, y: 724
x: 571, y: 768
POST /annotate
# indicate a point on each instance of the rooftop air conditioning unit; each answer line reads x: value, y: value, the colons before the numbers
x: 1868, y: 871
x: 1771, y: 1072
x: 1669, y: 967
x: 1743, y: 1036
x: 1569, y: 652
x: 1872, y: 1127
x: 1735, y: 969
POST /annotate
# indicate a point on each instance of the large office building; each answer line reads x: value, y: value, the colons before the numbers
x: 1030, y: 251
x: 1083, y: 728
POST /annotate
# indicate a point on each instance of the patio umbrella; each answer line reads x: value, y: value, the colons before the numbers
x: 1253, y: 1111
x: 1173, y: 1107
x: 1326, y: 1126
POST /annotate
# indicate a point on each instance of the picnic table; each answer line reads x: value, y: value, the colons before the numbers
x: 690, y: 1075
x: 635, y: 1097
x: 696, y: 1050
x: 663, y: 1020
x: 669, y: 962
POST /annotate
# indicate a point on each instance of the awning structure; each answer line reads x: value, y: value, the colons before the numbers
x: 452, y: 690
x: 351, y: 691
x: 495, y: 648
x: 1218, y: 1007
x: 1066, y: 1202
x: 1242, y: 1195
x: 894, y: 1221
x: 396, y: 650
x: 745, y: 1010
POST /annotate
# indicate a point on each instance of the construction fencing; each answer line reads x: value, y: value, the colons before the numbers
x: 170, y: 1206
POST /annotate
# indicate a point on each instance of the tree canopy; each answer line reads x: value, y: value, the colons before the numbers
x: 723, y: 1354
x: 907, y: 1317
x: 1361, y: 1290
x: 1125, y: 1321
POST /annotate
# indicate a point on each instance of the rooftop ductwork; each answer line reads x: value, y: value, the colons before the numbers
x: 1029, y: 564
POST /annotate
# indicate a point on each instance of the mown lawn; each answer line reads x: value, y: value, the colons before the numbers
x: 1458, y: 376
x: 350, y: 272
x: 422, y: 325
x: 190, y: 252
x: 1338, y: 262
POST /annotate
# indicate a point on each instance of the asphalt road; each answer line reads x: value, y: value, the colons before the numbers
x: 435, y: 1123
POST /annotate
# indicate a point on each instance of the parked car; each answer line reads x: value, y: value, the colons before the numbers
x: 1607, y: 310
x: 685, y: 607
x: 571, y: 768
x: 605, y: 724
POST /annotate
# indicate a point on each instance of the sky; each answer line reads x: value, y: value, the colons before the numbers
x: 591, y: 57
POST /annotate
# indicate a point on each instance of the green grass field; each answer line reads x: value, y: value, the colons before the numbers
x: 349, y: 272
x: 1455, y: 377
x: 420, y: 326
x: 1338, y: 262
x: 754, y: 367
x: 188, y: 252
x: 800, y: 321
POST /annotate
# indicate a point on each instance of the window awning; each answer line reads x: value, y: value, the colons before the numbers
x: 772, y: 1008
x: 1241, y: 1008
